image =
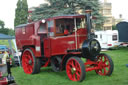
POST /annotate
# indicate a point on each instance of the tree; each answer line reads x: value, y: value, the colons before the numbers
x: 24, y: 12
x: 21, y: 12
x: 4, y: 30
x: 7, y: 31
x: 2, y: 24
x: 64, y: 7
x: 114, y: 27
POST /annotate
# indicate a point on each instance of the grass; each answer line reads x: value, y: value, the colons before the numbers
x: 5, y: 42
x: 48, y: 77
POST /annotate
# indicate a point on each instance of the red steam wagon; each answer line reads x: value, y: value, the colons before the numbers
x: 64, y: 43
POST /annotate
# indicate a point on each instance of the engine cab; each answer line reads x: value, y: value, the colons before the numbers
x: 65, y: 34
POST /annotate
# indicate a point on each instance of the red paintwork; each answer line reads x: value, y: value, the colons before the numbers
x: 104, y: 65
x: 61, y: 44
x: 47, y: 63
x: 99, y: 66
x: 73, y: 70
x: 3, y: 80
x: 28, y: 35
x: 68, y: 16
x: 26, y: 58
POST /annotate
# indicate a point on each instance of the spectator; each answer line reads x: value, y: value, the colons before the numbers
x: 3, y: 66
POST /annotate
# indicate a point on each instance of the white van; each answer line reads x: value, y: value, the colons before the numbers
x: 108, y: 39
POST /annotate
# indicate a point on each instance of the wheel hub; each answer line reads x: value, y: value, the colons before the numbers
x: 73, y: 70
x: 30, y: 62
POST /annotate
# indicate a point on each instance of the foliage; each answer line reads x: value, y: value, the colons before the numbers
x: 114, y: 27
x: 67, y: 7
x: 1, y: 24
x: 5, y: 42
x: 4, y: 30
x: 7, y: 31
x: 21, y: 12
x: 48, y: 77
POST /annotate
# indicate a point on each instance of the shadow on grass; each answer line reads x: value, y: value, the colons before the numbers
x: 48, y: 70
x: 89, y: 75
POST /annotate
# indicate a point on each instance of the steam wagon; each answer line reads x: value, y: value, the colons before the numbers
x: 64, y: 43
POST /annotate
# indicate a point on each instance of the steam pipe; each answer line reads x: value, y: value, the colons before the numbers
x: 89, y: 23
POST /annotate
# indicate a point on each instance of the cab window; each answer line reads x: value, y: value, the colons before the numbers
x: 42, y: 28
x: 51, y: 28
x: 62, y: 24
x: 80, y: 23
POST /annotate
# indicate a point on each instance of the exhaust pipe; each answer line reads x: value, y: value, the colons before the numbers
x: 89, y: 24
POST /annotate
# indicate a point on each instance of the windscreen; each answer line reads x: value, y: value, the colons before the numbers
x: 69, y: 24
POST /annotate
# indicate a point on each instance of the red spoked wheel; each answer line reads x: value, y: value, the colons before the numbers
x: 31, y: 65
x: 75, y: 69
x: 106, y: 65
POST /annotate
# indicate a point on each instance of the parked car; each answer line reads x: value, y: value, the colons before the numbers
x: 17, y: 58
x: 3, y: 48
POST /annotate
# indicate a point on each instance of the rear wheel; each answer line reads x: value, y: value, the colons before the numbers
x: 75, y: 69
x: 106, y: 65
x: 30, y: 63
x: 55, y: 63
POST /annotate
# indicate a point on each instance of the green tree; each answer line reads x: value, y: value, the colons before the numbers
x: 7, y: 31
x: 24, y: 12
x: 2, y: 24
x: 21, y: 12
x: 114, y: 27
x: 64, y: 7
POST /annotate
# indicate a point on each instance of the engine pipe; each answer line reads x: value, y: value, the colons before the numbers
x: 89, y: 24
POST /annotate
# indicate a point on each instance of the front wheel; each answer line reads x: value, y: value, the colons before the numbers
x: 75, y: 69
x: 30, y: 63
x: 106, y: 65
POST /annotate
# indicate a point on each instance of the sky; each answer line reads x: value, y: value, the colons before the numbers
x: 7, y: 9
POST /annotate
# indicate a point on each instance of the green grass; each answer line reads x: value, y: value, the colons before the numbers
x: 5, y: 42
x: 48, y: 77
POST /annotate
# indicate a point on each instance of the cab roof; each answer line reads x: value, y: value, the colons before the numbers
x: 53, y: 18
x: 67, y: 16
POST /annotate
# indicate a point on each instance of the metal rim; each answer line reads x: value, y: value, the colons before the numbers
x: 104, y: 64
x: 73, y: 70
x: 27, y: 62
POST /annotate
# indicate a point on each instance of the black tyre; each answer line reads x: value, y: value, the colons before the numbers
x: 106, y: 64
x: 75, y: 69
x: 30, y: 64
x: 56, y: 63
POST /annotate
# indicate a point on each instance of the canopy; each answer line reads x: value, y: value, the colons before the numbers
x: 6, y: 37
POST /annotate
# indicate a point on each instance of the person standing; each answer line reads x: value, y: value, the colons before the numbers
x: 3, y: 64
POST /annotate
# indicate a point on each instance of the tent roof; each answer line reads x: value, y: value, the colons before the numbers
x: 3, y: 36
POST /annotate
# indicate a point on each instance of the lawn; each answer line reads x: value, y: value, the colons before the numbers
x: 5, y: 42
x: 48, y: 77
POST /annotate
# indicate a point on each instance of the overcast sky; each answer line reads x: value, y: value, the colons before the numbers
x: 7, y: 9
